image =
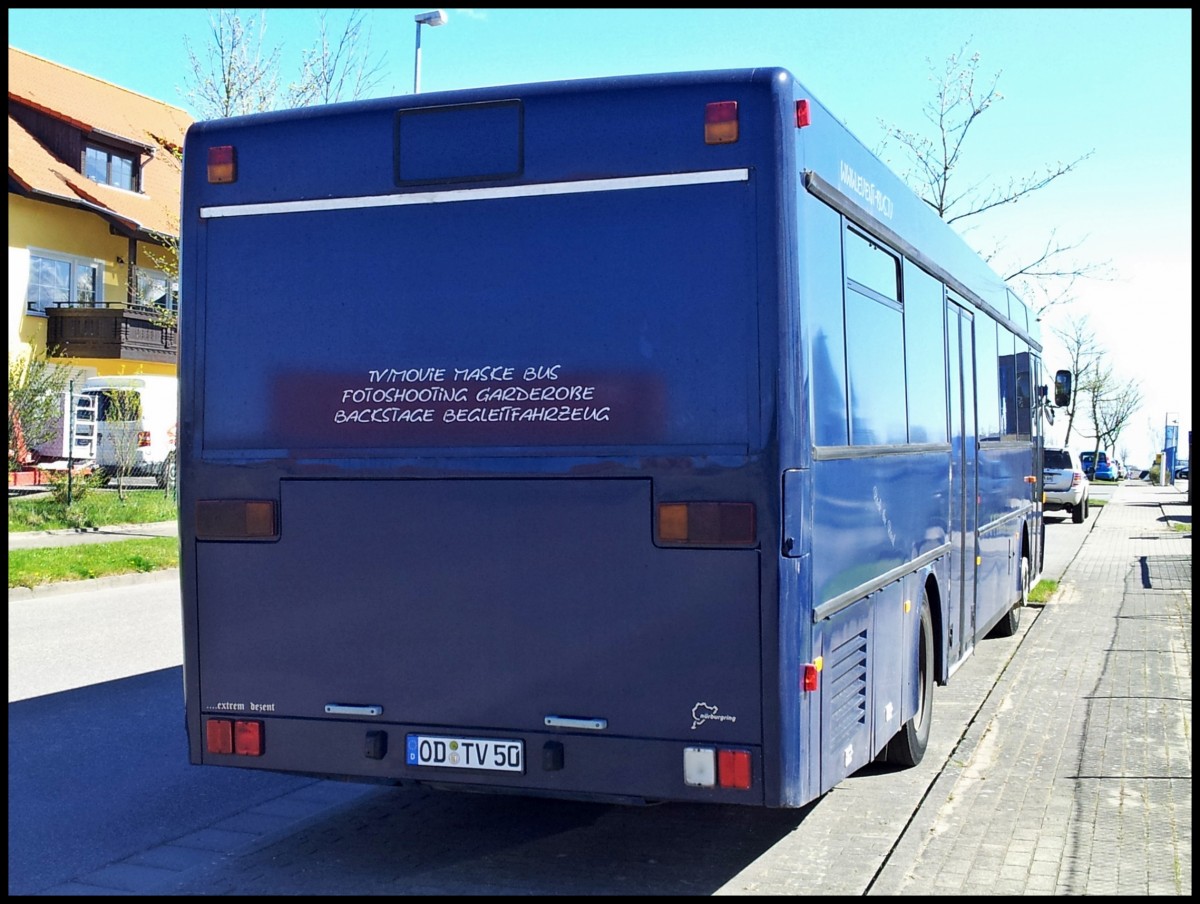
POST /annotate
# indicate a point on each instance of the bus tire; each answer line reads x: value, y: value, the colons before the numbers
x: 907, y: 746
x: 1007, y: 626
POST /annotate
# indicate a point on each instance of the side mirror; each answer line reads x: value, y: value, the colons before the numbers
x: 1062, y: 388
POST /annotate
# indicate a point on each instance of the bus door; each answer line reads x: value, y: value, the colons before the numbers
x: 960, y: 612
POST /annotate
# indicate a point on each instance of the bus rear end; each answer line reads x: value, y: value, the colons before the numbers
x: 475, y: 404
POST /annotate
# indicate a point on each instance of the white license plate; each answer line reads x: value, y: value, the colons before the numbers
x: 493, y: 754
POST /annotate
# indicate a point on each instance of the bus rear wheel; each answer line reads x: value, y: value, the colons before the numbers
x: 907, y: 746
x: 1007, y: 626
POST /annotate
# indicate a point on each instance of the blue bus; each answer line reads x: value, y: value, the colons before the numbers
x: 629, y: 439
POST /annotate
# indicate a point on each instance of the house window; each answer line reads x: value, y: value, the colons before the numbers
x: 61, y: 280
x: 110, y: 168
x: 156, y: 289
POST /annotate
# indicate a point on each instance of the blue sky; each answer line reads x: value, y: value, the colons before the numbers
x: 1113, y: 83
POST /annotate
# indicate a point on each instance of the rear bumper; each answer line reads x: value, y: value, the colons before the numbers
x: 1055, y: 501
x: 560, y: 764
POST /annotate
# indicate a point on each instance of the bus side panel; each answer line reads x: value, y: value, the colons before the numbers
x: 799, y: 756
x: 1005, y: 505
x: 892, y: 663
x: 874, y: 514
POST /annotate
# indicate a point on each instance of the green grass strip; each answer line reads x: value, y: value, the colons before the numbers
x: 31, y: 567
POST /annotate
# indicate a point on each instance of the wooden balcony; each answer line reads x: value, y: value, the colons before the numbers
x: 124, y: 331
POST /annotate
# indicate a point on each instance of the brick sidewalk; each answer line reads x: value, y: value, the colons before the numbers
x: 1080, y: 782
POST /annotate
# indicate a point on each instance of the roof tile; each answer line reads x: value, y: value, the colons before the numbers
x: 90, y: 103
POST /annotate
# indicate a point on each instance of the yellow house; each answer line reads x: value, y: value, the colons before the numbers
x: 93, y: 221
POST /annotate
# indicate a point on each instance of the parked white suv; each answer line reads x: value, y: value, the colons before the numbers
x: 1064, y: 485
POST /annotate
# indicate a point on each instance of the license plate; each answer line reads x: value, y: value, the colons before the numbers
x: 492, y: 754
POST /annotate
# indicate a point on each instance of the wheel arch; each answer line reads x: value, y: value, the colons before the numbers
x: 937, y: 614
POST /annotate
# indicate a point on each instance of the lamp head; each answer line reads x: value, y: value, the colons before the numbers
x: 433, y: 17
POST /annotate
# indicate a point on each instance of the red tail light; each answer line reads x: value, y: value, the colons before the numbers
x: 219, y: 735
x: 812, y: 676
x: 143, y: 438
x: 230, y: 736
x: 733, y: 769
x: 247, y: 738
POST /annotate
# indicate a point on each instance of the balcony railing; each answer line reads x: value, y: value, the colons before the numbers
x: 130, y: 332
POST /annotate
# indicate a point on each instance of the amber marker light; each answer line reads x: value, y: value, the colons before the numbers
x: 236, y: 519
x: 721, y: 122
x: 706, y: 523
x: 222, y: 164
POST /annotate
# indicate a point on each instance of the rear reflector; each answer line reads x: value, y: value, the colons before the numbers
x: 733, y: 769
x: 236, y: 519
x: 222, y: 164
x: 219, y: 735
x: 247, y: 738
x: 707, y: 523
x: 721, y: 122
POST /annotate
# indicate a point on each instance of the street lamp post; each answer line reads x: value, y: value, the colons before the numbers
x: 432, y: 18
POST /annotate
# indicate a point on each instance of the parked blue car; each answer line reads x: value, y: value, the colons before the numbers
x: 1103, y: 470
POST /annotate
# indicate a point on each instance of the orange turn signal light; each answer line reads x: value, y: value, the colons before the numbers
x: 236, y: 519
x: 707, y: 523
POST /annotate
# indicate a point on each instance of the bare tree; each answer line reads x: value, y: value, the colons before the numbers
x: 1085, y: 356
x: 239, y: 73
x: 338, y: 69
x: 1111, y: 403
x: 935, y: 164
x: 1113, y: 410
x: 1154, y: 434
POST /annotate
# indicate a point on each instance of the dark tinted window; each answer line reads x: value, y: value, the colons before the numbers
x: 1059, y: 459
x: 874, y: 345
